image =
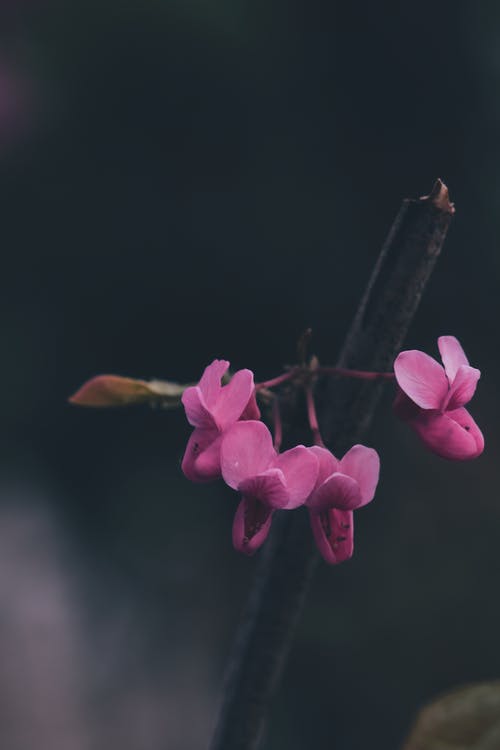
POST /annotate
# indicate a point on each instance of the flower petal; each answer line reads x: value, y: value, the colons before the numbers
x: 334, y: 534
x: 300, y: 468
x: 210, y: 381
x: 197, y: 412
x: 452, y: 355
x: 463, y: 387
x: 328, y: 464
x: 338, y: 491
x: 201, y: 462
x: 246, y: 450
x: 233, y: 398
x: 251, y: 410
x: 251, y: 525
x: 421, y: 378
x: 363, y: 465
x: 268, y: 488
x: 465, y: 421
x: 453, y: 435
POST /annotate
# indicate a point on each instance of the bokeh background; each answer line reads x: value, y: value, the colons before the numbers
x: 185, y: 179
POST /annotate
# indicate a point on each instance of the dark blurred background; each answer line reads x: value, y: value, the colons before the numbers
x: 185, y: 179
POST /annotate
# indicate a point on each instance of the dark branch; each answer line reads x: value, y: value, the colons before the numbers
x: 393, y: 293
x: 346, y: 410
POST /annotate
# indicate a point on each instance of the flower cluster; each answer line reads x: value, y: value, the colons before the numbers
x: 229, y: 441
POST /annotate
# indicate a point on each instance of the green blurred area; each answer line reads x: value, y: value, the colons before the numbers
x: 186, y: 180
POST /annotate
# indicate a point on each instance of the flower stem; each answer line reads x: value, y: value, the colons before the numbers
x: 358, y: 374
x: 313, y: 417
x: 278, y: 429
x: 278, y: 380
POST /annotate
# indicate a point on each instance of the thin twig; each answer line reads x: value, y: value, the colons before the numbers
x: 278, y: 380
x: 357, y: 374
x: 278, y: 429
x: 312, y: 416
x: 277, y: 597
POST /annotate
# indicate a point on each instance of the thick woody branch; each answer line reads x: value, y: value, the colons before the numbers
x: 346, y: 410
x: 387, y: 308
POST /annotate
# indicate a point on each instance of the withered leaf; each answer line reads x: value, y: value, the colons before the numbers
x: 115, y: 390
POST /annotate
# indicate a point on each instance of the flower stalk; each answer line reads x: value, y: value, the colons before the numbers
x: 278, y: 427
x: 312, y: 416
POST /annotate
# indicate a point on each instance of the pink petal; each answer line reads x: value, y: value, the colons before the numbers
x: 328, y: 464
x: 196, y: 409
x: 465, y: 421
x: 300, y: 468
x: 463, y: 387
x: 210, y: 381
x: 453, y: 435
x: 452, y: 355
x: 269, y: 488
x: 338, y: 491
x: 363, y: 465
x: 251, y: 525
x: 233, y: 398
x: 421, y: 378
x: 246, y: 450
x: 334, y: 534
x: 201, y: 462
x: 251, y: 410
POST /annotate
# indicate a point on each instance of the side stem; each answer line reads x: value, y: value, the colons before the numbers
x: 278, y: 428
x: 356, y: 374
x: 312, y: 416
x: 278, y: 380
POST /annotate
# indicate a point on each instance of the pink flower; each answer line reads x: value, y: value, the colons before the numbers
x: 266, y: 480
x: 341, y: 487
x: 212, y: 408
x: 432, y: 398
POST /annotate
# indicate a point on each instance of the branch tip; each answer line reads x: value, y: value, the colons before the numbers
x: 440, y: 197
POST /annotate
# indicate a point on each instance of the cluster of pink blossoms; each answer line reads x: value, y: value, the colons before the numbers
x: 231, y: 442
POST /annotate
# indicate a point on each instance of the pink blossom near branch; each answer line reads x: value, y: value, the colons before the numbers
x: 266, y: 480
x: 212, y: 408
x: 341, y: 487
x: 432, y: 397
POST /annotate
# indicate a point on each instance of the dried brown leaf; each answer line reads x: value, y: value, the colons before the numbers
x: 114, y: 390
